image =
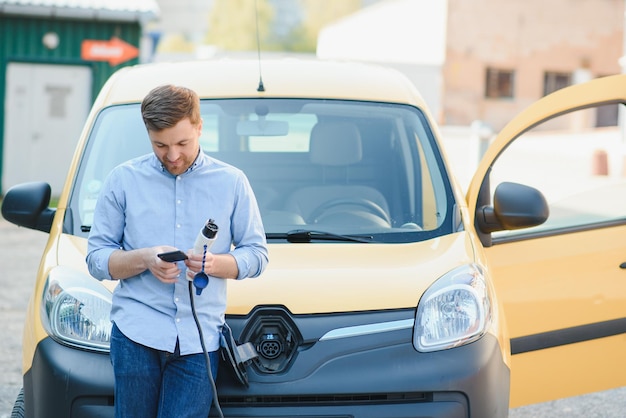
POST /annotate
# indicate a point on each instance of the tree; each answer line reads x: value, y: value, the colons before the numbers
x: 233, y: 24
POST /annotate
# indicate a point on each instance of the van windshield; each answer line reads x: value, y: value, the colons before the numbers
x: 320, y: 169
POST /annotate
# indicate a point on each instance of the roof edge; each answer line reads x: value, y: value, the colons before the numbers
x: 141, y: 16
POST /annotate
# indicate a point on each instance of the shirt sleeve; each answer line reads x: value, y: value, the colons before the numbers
x: 107, y: 229
x: 250, y: 245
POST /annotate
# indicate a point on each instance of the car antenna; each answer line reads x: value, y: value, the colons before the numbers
x: 261, y: 87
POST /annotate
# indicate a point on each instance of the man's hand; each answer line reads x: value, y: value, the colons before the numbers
x: 165, y: 271
x: 125, y: 264
x: 194, y: 263
x: 223, y: 266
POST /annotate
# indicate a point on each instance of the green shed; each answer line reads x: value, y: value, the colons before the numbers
x: 55, y: 55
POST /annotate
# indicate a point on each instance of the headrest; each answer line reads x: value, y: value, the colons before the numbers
x: 335, y: 143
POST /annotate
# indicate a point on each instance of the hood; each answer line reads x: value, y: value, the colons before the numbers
x: 323, y: 278
x: 331, y: 277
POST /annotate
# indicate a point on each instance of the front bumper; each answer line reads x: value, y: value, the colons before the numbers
x: 356, y: 377
x: 67, y: 382
x: 375, y: 375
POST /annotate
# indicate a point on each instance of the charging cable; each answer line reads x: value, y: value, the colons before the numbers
x: 205, y: 239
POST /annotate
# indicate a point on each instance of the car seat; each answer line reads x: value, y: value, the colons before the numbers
x: 336, y: 147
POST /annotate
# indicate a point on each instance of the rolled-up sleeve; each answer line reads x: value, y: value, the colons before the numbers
x: 250, y: 250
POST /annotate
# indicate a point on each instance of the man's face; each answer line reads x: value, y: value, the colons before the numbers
x: 177, y: 147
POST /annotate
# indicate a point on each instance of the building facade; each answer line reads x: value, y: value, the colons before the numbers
x: 503, y: 55
x: 54, y: 58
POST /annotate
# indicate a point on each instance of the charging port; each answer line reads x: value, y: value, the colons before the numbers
x: 270, y: 347
x: 275, y: 338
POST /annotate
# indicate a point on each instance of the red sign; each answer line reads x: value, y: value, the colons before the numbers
x: 115, y: 51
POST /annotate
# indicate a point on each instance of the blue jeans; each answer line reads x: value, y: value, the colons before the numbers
x: 151, y: 383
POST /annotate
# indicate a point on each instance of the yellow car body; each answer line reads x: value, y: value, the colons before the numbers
x: 564, y: 289
x: 344, y: 312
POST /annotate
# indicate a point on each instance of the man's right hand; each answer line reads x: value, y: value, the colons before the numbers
x: 125, y: 264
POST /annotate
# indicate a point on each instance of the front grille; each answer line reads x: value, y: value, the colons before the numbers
x: 325, y: 400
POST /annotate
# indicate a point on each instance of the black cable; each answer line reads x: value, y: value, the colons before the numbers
x: 204, y: 351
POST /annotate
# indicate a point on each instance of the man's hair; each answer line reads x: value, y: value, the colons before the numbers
x: 166, y: 105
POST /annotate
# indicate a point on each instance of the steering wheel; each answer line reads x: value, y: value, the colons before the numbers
x: 356, y: 201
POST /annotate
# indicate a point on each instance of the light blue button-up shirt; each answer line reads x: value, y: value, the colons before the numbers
x: 142, y: 205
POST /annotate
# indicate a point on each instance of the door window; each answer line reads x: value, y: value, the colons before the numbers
x: 577, y: 166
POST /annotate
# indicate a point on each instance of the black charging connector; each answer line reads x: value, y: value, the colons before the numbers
x: 216, y: 402
x: 205, y: 239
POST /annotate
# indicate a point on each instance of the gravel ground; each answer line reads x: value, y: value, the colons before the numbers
x: 20, y: 250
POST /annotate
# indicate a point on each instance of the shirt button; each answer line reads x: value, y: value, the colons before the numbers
x: 177, y: 319
x: 177, y: 225
x: 176, y: 300
x: 178, y: 201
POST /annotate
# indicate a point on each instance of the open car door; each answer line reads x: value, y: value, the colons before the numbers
x: 563, y: 283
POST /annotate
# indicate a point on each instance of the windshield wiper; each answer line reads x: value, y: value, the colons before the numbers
x: 307, y: 235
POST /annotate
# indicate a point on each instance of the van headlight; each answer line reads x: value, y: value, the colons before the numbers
x: 456, y: 310
x: 75, y: 309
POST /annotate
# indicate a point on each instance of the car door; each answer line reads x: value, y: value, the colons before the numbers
x: 563, y: 283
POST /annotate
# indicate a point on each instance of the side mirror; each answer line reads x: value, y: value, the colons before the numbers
x: 515, y: 206
x: 27, y: 205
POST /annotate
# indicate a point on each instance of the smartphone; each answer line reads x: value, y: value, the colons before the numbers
x: 173, y: 256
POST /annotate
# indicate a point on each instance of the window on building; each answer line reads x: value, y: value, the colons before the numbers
x: 499, y: 83
x: 552, y: 81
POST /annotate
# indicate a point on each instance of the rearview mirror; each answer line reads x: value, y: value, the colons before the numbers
x: 262, y: 127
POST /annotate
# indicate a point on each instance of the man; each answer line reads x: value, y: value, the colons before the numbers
x: 158, y: 203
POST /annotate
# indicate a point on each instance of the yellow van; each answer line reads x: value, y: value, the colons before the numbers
x: 389, y: 292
